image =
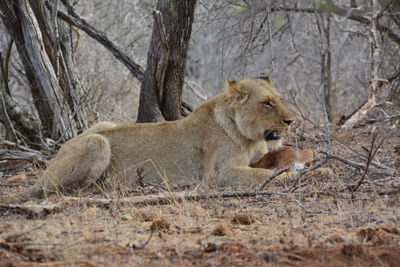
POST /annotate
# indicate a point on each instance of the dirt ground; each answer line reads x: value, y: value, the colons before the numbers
x: 319, y: 222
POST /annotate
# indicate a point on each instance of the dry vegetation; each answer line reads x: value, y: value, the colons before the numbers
x: 319, y: 223
x: 350, y: 217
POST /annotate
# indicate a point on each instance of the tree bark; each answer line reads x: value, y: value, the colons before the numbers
x: 160, y: 96
x: 48, y: 64
x: 328, y: 79
x: 375, y: 43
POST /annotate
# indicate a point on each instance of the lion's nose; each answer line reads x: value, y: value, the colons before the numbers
x: 288, y: 122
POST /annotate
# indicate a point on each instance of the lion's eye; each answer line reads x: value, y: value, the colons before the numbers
x: 267, y: 104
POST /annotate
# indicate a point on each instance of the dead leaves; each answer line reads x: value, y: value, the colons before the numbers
x: 220, y: 230
x: 19, y: 178
x: 160, y: 225
x: 243, y: 218
x: 380, y: 236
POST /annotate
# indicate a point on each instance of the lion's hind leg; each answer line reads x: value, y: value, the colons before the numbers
x: 79, y: 163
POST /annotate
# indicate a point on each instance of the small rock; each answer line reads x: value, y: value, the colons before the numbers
x: 210, y: 247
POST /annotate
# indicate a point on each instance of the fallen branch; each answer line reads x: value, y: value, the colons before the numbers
x: 7, y: 154
x: 373, y: 162
x: 389, y: 172
x: 32, y: 211
x: 166, y: 198
x: 312, y: 211
x: 359, y: 114
x: 387, y: 184
x: 20, y: 147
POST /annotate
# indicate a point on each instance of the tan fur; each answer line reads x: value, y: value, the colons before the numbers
x: 216, y: 143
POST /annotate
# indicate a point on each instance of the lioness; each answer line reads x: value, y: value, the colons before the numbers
x: 217, y: 142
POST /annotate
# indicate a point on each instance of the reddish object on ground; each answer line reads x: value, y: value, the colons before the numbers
x: 285, y: 157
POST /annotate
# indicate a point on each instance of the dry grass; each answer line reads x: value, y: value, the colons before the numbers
x: 320, y: 224
x: 89, y: 232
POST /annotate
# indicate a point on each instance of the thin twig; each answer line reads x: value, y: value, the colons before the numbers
x: 371, y: 154
x: 14, y: 237
x: 145, y: 243
x: 389, y: 172
x: 373, y: 162
x: 353, y: 14
x: 271, y: 177
x: 311, y: 211
x: 304, y: 171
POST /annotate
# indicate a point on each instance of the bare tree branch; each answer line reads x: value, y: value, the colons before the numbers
x: 101, y: 37
x: 371, y: 154
x: 352, y: 14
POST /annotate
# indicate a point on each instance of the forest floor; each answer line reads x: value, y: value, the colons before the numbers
x: 319, y: 223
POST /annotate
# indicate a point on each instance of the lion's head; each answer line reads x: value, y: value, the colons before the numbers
x: 259, y: 110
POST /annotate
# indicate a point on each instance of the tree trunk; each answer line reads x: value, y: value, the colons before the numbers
x: 328, y: 79
x: 375, y: 43
x: 48, y: 65
x: 393, y: 10
x: 160, y: 96
x: 12, y: 116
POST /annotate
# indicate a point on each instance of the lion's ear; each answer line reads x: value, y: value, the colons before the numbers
x: 236, y: 95
x: 264, y: 76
